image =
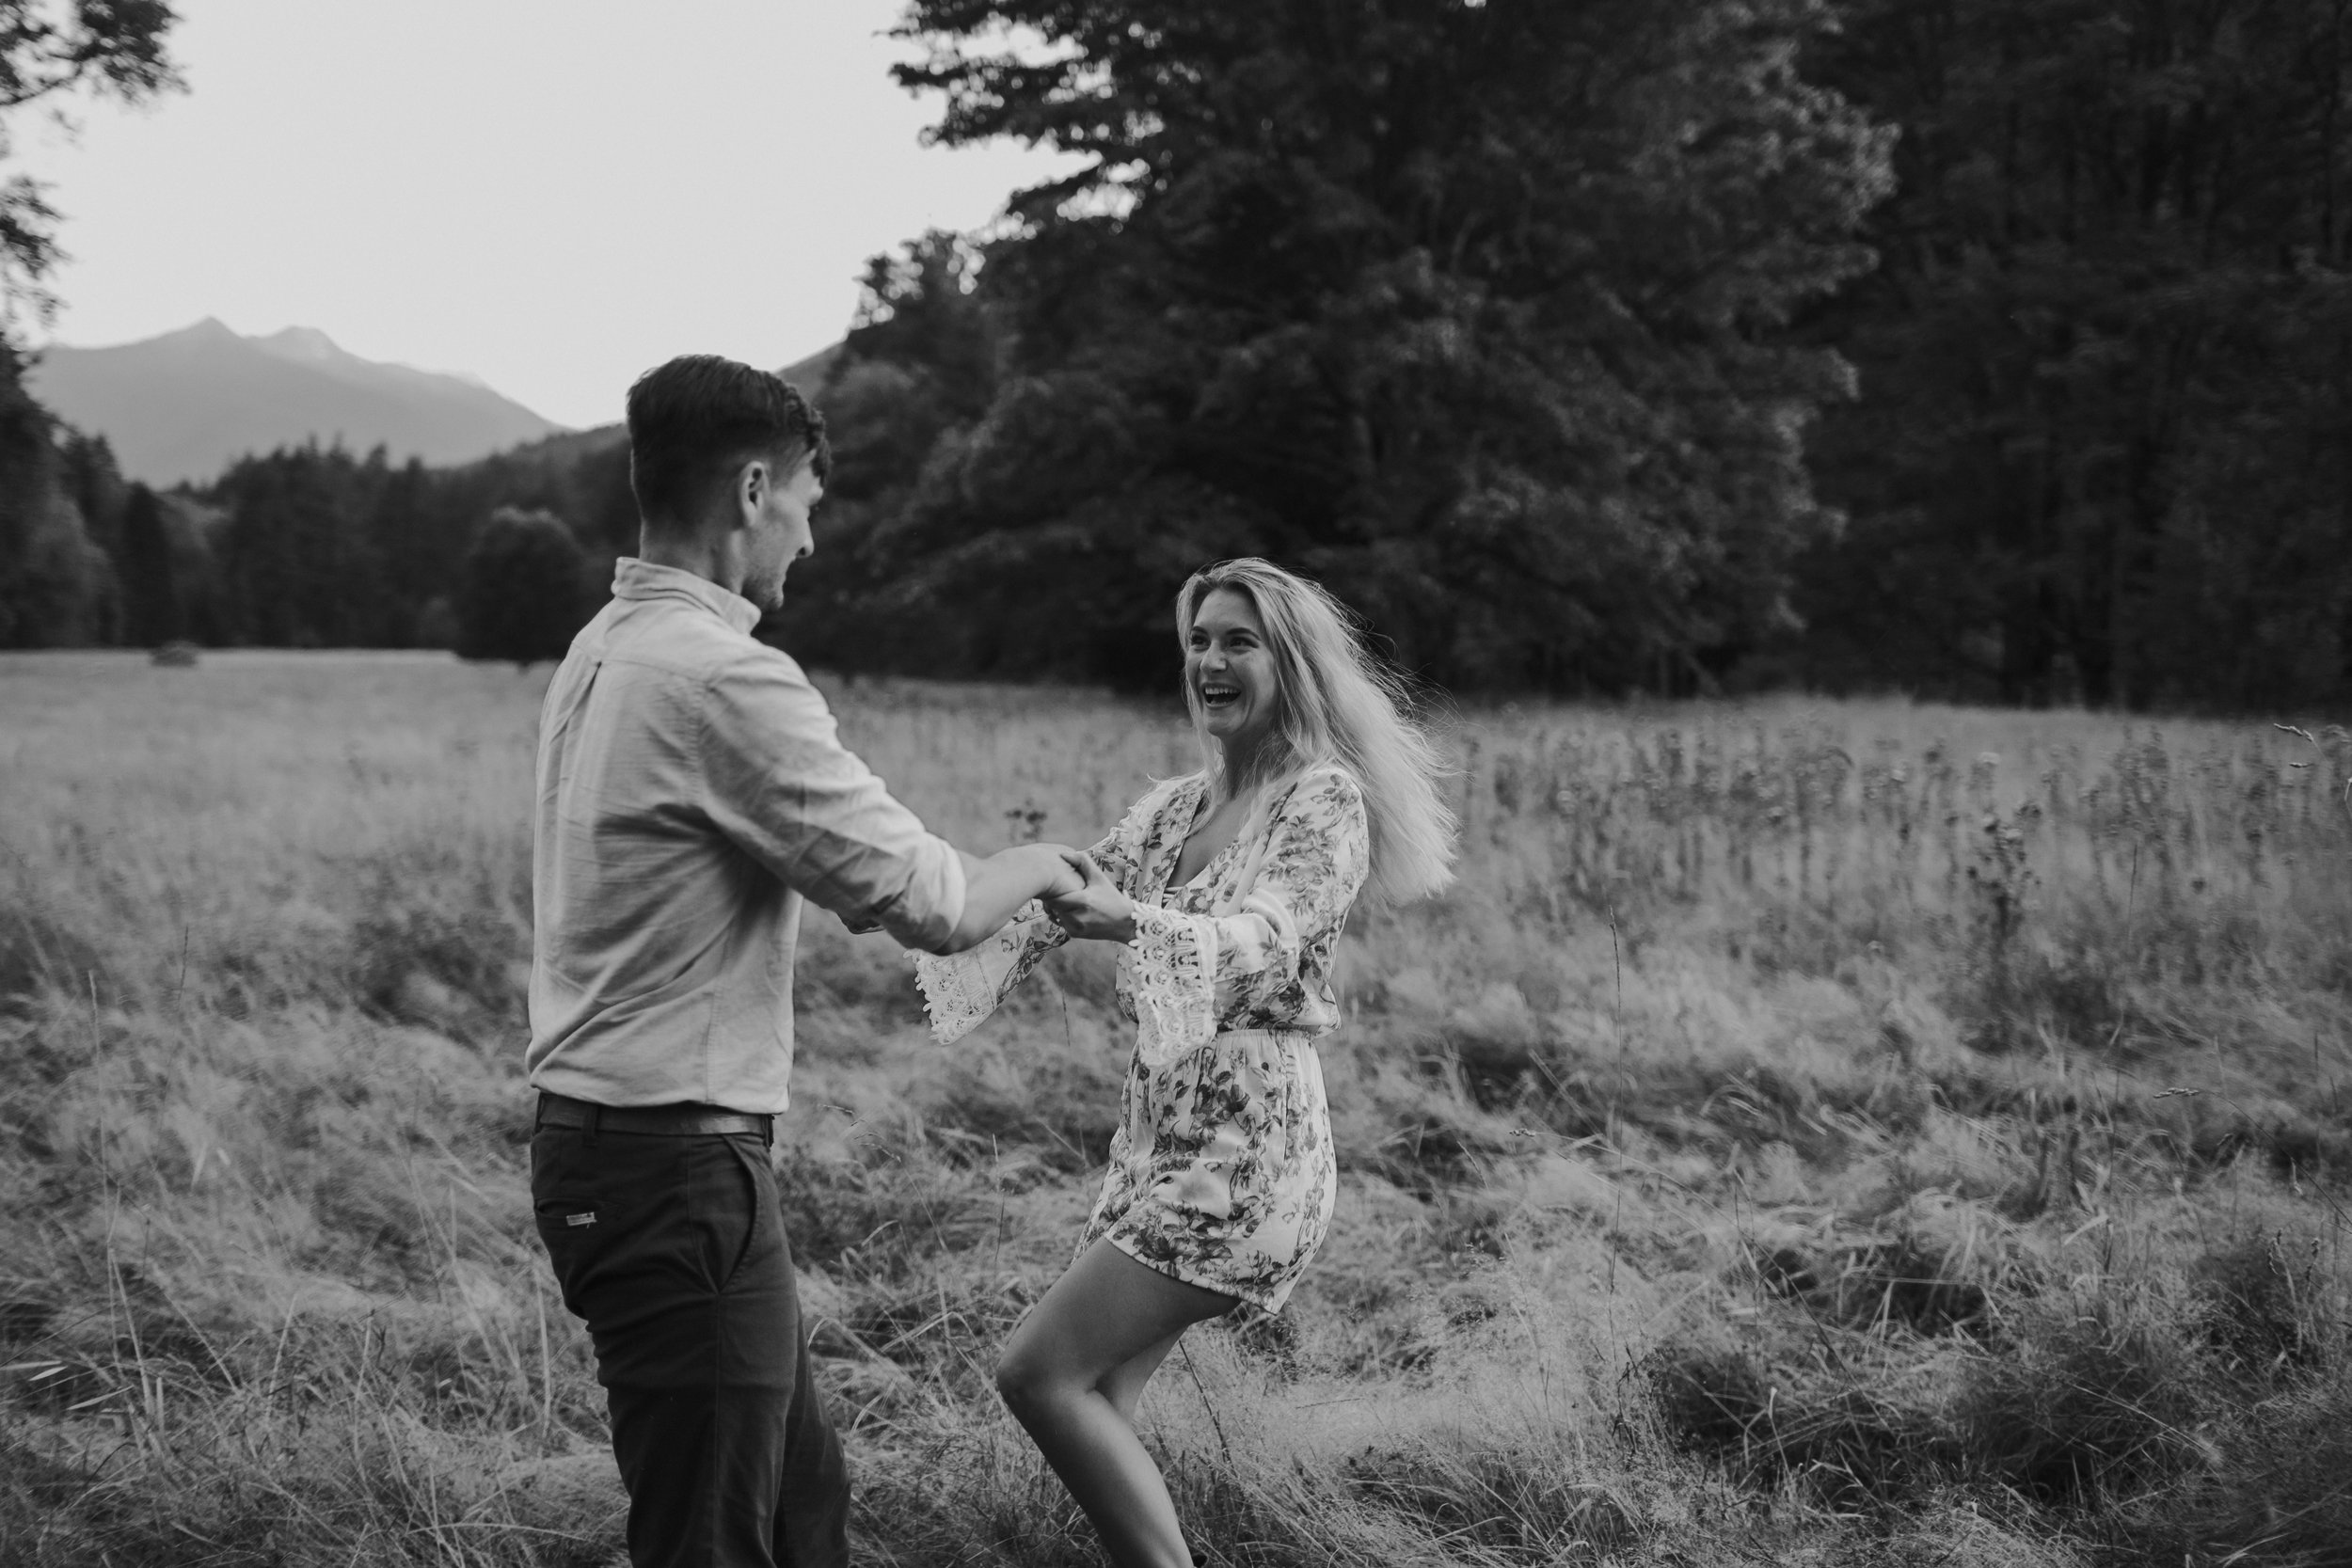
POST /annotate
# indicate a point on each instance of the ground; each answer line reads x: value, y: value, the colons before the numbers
x: 1807, y: 1132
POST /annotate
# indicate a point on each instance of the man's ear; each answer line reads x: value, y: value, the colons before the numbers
x: 752, y: 483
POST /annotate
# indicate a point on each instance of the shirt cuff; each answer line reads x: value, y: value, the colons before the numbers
x: 930, y: 908
x: 1173, y: 982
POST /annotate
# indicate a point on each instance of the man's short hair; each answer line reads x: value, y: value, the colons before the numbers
x: 694, y: 422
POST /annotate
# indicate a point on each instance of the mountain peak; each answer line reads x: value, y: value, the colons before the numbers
x: 212, y: 329
x: 301, y: 345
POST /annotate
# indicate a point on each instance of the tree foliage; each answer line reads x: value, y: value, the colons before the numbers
x: 55, y: 584
x: 298, y: 570
x: 521, y: 595
x: 314, y: 547
x: 1476, y: 311
x: 55, y: 579
x: 153, y: 610
x: 2099, y: 450
x: 48, y: 49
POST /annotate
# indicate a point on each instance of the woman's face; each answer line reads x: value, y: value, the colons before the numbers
x: 1228, y: 669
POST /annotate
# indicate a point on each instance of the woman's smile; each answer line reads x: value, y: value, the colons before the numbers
x: 1230, y: 668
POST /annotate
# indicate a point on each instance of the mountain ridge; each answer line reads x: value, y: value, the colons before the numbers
x: 183, y: 405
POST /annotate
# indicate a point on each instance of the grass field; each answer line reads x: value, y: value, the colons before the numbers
x: 1809, y: 1132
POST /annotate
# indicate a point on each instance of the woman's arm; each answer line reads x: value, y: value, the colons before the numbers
x: 964, y: 986
x: 1193, y: 973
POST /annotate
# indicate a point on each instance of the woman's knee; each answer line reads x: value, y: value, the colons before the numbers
x: 1023, y: 1378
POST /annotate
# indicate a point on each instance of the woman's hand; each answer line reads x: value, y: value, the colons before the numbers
x: 1064, y: 869
x: 1096, y: 910
x: 995, y: 887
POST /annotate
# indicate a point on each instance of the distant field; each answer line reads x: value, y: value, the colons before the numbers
x: 1810, y: 1132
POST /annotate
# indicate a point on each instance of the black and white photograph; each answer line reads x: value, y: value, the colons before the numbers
x: 1176, y: 784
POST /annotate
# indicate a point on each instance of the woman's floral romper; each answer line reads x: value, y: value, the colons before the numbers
x: 1221, y: 1171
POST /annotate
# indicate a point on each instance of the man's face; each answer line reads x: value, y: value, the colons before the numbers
x: 775, y: 529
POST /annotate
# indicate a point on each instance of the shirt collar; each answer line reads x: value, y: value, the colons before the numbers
x: 633, y: 579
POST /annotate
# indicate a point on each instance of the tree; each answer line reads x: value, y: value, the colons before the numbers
x: 520, y: 596
x: 2099, y: 449
x: 152, y: 611
x: 55, y: 583
x: 298, y: 569
x: 920, y: 362
x: 86, y: 468
x: 1474, y: 310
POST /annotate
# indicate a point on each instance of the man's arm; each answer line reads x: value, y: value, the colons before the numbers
x: 778, y: 782
x: 995, y: 887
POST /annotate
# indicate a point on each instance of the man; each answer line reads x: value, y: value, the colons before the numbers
x: 691, y: 794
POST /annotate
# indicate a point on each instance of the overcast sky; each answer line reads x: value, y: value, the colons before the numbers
x: 551, y: 194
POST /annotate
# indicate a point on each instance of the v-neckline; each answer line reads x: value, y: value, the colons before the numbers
x: 1169, y: 887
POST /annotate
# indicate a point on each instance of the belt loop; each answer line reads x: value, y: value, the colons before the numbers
x: 767, y: 1131
x: 588, y: 1123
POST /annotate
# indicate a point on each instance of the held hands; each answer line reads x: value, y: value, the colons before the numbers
x: 1081, y: 900
x: 1096, y: 909
x: 1062, y: 868
x: 994, y: 889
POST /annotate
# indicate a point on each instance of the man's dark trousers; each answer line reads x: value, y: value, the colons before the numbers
x: 672, y: 1249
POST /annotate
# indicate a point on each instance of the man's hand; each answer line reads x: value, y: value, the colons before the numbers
x: 995, y: 887
x: 1097, y: 910
x: 1070, y: 872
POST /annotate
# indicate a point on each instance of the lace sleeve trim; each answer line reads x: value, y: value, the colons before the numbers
x: 961, y: 988
x: 1174, y: 983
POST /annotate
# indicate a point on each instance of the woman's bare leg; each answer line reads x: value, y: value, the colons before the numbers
x: 1103, y: 1322
x: 1123, y: 1383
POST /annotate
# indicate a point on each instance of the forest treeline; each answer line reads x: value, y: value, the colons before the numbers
x: 1986, y: 348
x: 309, y: 546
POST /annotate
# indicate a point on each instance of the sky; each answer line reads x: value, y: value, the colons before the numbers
x: 550, y: 194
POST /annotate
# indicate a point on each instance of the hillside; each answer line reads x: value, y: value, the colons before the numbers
x: 183, y: 405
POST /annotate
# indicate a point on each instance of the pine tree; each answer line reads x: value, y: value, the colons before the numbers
x: 152, y: 609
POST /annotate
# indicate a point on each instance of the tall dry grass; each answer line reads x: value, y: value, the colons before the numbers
x: 1857, y: 1134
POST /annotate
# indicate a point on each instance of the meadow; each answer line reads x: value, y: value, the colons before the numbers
x: 1809, y: 1132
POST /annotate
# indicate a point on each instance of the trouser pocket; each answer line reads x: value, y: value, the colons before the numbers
x: 732, y: 1204
x: 607, y: 1210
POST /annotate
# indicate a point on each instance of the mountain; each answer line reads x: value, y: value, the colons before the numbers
x: 186, y: 405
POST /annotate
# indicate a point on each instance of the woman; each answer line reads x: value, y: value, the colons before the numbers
x: 1226, y: 890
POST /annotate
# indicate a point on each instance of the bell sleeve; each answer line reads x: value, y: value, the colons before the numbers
x: 961, y: 988
x: 1196, y: 974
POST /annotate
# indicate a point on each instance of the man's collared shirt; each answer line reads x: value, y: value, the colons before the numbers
x: 692, y: 792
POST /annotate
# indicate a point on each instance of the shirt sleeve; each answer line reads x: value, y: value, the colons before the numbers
x: 777, y: 781
x: 1196, y: 974
x: 961, y: 988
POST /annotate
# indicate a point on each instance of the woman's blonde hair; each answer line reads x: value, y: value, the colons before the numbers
x: 1337, y: 703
